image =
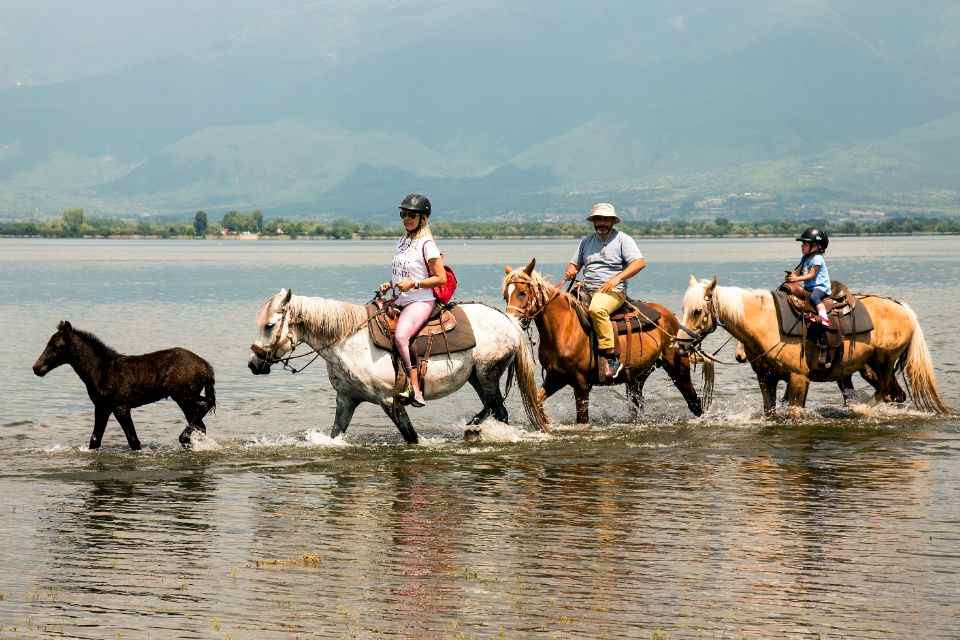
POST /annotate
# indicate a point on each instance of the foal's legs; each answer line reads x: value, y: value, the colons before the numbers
x: 100, y: 417
x: 122, y: 414
x: 400, y: 418
x: 194, y: 408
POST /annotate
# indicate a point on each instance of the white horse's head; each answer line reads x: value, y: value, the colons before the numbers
x: 698, y: 314
x: 274, y: 333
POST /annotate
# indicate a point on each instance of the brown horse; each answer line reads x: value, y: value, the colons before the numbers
x: 117, y: 383
x: 896, y: 344
x: 566, y: 353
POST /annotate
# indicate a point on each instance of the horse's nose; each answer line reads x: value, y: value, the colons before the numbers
x: 38, y: 369
x: 258, y: 367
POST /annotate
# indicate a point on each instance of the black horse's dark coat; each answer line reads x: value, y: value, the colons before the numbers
x: 117, y: 383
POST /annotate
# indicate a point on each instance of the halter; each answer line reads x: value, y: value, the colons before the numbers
x: 284, y: 333
x: 525, y: 314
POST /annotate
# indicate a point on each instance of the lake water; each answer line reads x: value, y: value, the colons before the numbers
x: 839, y: 524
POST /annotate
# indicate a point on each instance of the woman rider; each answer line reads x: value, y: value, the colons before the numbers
x: 417, y: 268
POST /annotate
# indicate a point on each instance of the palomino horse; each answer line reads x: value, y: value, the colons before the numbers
x: 362, y: 372
x: 566, y: 353
x: 895, y: 344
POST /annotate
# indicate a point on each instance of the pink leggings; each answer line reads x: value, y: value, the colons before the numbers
x: 412, y: 318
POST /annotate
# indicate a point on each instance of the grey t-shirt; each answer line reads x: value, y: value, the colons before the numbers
x: 603, y: 259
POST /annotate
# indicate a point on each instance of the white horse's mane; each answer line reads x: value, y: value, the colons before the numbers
x: 329, y: 320
x: 535, y: 278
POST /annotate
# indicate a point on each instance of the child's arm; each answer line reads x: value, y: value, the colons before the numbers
x: 808, y: 275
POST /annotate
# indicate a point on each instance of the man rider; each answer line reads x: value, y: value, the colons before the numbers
x: 608, y: 258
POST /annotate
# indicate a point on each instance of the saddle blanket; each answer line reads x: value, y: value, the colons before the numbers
x: 791, y: 322
x: 459, y: 338
x: 643, y: 319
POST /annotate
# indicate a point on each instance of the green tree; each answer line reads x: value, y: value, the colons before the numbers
x: 257, y: 221
x: 200, y: 224
x: 72, y: 222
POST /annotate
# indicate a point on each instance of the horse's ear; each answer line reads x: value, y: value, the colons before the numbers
x: 65, y: 326
x: 711, y: 285
x: 507, y: 268
x: 287, y: 294
x: 529, y: 268
x: 693, y: 280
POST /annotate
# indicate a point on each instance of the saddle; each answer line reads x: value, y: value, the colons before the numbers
x: 797, y: 318
x: 448, y: 330
x: 631, y: 317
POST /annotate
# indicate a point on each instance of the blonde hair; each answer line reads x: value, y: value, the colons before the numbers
x: 423, y: 231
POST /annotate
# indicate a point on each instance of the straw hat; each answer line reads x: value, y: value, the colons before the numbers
x: 603, y: 210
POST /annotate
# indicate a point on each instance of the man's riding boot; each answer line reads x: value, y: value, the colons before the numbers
x: 611, y: 365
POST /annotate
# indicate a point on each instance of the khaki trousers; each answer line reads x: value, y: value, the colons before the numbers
x: 601, y: 306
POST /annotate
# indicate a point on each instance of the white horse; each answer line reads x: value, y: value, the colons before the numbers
x: 363, y: 372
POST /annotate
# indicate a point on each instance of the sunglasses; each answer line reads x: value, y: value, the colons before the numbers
x: 409, y: 214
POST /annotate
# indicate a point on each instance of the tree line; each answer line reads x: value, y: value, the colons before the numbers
x: 73, y: 223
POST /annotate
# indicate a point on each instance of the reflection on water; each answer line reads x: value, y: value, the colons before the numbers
x: 842, y: 523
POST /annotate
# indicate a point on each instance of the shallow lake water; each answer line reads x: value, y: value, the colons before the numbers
x: 842, y: 523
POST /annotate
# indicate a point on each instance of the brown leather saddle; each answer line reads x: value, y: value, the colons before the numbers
x: 797, y: 317
x: 840, y: 302
x: 630, y: 318
x: 448, y: 330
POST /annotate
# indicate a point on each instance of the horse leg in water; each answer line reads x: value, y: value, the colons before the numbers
x: 635, y: 391
x: 846, y: 389
x: 797, y: 388
x: 346, y: 405
x: 194, y: 408
x: 552, y: 382
x: 122, y: 414
x: 678, y: 368
x: 485, y: 380
x: 768, y: 388
x: 101, y: 415
x: 884, y: 379
x: 400, y: 418
x: 897, y: 394
x: 581, y: 395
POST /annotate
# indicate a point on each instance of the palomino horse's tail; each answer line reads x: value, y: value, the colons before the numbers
x: 916, y: 363
x: 529, y: 394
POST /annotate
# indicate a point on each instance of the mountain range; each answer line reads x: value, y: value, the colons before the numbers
x: 498, y: 108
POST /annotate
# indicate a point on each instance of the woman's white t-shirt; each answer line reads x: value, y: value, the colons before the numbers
x: 408, y: 263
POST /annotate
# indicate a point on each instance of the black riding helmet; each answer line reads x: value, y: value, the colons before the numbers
x: 815, y: 236
x: 416, y: 202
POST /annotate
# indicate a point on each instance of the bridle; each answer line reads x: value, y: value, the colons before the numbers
x: 268, y: 354
x: 527, y: 313
x: 693, y: 344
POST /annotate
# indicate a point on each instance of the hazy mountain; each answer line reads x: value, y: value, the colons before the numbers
x: 491, y: 106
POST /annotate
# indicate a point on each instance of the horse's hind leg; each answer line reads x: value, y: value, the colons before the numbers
x: 122, y: 414
x: 194, y: 408
x: 846, y: 389
x: 487, y: 386
x: 797, y: 388
x: 400, y: 418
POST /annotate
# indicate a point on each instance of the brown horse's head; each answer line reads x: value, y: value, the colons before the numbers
x: 698, y: 317
x: 57, y: 352
x: 523, y: 292
x: 273, y: 333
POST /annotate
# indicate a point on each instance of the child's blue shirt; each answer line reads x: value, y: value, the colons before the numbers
x: 822, y: 281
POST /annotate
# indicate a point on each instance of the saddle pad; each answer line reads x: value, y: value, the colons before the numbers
x: 645, y: 314
x: 460, y: 338
x: 791, y: 322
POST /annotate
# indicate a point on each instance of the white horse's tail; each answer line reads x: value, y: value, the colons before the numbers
x: 918, y: 367
x: 529, y: 393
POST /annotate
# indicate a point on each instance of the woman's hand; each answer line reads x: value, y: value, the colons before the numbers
x: 383, y: 287
x: 406, y: 284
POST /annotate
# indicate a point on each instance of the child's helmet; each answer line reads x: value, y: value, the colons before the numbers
x: 815, y: 236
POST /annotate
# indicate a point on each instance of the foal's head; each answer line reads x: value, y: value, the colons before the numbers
x: 273, y: 333
x: 58, y: 350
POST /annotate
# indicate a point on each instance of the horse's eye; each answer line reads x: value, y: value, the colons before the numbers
x: 521, y: 294
x: 268, y: 326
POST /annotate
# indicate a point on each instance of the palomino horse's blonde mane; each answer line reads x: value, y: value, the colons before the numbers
x: 329, y: 320
x: 727, y: 301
